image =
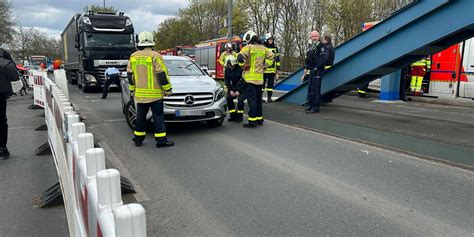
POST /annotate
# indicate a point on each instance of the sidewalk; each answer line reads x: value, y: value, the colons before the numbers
x: 434, y: 131
x: 24, y: 176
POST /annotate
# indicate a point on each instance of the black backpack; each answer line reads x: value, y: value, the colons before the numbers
x: 8, y: 73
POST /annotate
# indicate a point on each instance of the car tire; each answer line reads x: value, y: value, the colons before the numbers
x: 130, y: 114
x: 215, y: 122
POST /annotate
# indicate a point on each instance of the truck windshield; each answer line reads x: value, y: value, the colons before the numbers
x: 108, y: 40
x: 182, y: 68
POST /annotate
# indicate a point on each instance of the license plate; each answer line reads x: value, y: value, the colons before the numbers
x: 189, y: 112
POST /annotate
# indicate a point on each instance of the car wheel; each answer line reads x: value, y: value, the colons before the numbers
x: 122, y: 102
x: 130, y: 114
x: 215, y: 122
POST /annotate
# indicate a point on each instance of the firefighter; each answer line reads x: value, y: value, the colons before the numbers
x: 418, y: 72
x: 235, y: 84
x: 254, y: 58
x: 149, y: 82
x: 271, y: 72
x: 228, y: 51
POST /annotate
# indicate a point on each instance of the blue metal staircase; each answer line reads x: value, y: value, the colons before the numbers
x: 420, y: 29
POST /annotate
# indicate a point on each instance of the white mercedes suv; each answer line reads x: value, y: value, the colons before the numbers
x: 196, y: 96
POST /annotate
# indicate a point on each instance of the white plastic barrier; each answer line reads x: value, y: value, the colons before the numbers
x: 38, y: 89
x: 91, y: 193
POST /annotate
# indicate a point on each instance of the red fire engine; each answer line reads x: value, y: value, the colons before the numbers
x: 452, y: 71
x: 208, y: 52
x: 186, y: 50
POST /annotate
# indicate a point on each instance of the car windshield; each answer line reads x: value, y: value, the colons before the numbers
x: 182, y: 68
x: 108, y: 40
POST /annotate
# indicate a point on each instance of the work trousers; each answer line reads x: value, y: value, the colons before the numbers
x: 253, y: 94
x: 314, y: 89
x: 268, y: 82
x: 417, y: 75
x: 158, y: 119
x: 231, y: 104
x: 114, y: 78
x: 3, y: 122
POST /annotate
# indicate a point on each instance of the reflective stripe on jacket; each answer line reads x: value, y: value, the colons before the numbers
x: 257, y: 58
x: 276, y: 65
x: 145, y: 64
x: 224, y: 55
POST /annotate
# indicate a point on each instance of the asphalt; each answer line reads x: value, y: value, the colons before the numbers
x: 279, y: 180
x: 423, y: 128
x: 24, y: 177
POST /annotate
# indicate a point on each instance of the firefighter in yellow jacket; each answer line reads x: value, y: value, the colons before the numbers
x: 418, y: 72
x: 254, y: 59
x: 149, y: 82
x: 228, y: 52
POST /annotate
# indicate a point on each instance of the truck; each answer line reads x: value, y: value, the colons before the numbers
x: 207, y: 54
x: 35, y: 61
x: 94, y: 42
x: 452, y: 71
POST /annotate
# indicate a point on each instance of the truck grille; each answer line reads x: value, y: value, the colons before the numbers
x: 101, y: 71
x: 189, y: 100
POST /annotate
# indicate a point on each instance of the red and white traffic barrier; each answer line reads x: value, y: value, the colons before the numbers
x: 91, y: 193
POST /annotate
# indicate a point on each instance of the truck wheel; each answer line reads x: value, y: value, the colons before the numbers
x: 71, y: 78
x: 215, y: 122
x: 130, y: 114
x: 79, y: 80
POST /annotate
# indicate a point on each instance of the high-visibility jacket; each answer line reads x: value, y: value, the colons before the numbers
x: 276, y: 64
x: 223, y: 57
x: 426, y: 63
x: 145, y: 64
x: 256, y: 59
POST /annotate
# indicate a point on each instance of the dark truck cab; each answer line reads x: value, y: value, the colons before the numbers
x: 92, y: 43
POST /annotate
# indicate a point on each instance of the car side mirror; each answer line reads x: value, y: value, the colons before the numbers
x: 76, y: 45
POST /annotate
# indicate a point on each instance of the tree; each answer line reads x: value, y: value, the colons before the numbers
x: 29, y: 41
x: 6, y: 22
x: 97, y: 8
x: 200, y: 20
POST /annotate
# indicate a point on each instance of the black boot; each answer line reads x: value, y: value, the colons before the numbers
x: 138, y: 141
x: 260, y: 122
x: 250, y: 125
x: 269, y: 97
x: 239, y: 118
x: 232, y: 117
x: 164, y: 143
x: 4, y: 153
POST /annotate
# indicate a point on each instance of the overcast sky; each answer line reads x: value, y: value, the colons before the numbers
x: 51, y: 16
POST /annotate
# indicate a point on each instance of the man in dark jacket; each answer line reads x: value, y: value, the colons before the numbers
x: 235, y: 85
x: 331, y: 52
x: 316, y: 58
x: 8, y: 73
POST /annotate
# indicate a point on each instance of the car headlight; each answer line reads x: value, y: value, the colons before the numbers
x: 90, y: 78
x: 86, y: 20
x: 128, y: 22
x: 219, y: 94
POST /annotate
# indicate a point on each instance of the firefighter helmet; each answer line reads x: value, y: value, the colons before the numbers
x: 269, y: 36
x: 228, y: 46
x: 146, y: 38
x: 249, y: 36
x: 231, y: 59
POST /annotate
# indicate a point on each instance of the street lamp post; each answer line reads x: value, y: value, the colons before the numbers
x: 229, y: 20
